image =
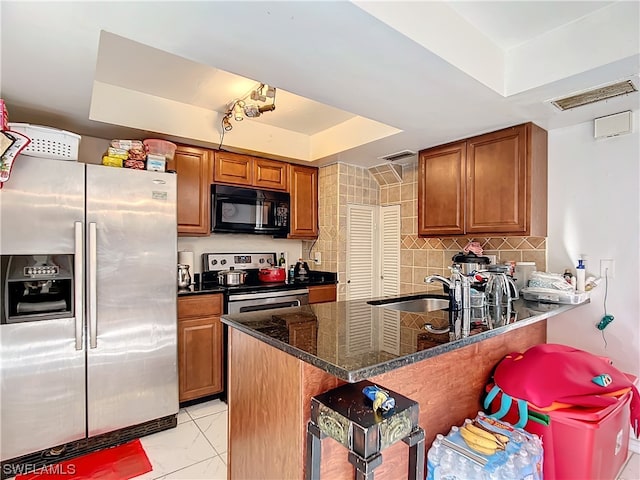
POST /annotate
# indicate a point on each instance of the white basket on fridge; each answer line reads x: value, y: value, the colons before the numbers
x: 48, y: 142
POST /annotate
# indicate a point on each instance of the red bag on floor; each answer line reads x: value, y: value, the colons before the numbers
x: 552, y: 376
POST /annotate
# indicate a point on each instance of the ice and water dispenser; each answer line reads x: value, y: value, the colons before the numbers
x: 36, y: 287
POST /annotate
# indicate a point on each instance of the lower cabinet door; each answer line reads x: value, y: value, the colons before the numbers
x: 200, y: 357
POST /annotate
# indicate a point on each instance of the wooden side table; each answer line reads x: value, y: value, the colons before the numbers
x: 347, y: 416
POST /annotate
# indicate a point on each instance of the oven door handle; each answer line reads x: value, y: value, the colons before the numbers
x: 270, y: 306
x: 253, y: 296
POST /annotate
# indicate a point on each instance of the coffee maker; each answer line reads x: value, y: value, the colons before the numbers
x: 301, y: 270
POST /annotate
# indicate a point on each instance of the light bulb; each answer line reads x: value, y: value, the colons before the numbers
x: 226, y: 124
x: 237, y: 111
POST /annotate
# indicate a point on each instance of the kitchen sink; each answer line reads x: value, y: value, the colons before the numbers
x: 416, y: 305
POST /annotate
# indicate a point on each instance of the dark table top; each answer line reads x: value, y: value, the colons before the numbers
x: 354, y: 340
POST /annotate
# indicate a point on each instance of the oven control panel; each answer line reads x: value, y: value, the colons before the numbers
x: 240, y: 261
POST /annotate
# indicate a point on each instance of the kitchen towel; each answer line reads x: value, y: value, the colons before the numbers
x: 117, y: 463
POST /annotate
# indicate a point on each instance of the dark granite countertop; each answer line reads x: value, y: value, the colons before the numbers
x: 354, y: 340
x: 315, y: 278
x: 195, y: 290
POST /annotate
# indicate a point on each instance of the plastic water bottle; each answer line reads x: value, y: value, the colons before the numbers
x: 509, y: 470
x: 433, y: 456
x: 536, y: 454
x: 446, y: 469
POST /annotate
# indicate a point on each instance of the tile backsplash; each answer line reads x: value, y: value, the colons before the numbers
x: 340, y: 185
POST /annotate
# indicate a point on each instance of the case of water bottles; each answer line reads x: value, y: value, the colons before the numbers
x: 517, y: 455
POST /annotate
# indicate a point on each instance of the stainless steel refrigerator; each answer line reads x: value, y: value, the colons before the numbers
x: 88, y: 340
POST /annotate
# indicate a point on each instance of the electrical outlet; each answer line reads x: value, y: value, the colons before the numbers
x: 317, y: 258
x: 607, y: 268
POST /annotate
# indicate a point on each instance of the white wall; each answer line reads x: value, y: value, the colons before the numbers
x: 594, y: 209
x: 239, y: 243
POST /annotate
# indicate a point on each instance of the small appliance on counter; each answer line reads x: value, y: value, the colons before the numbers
x: 184, y: 277
x: 301, y: 270
x: 470, y: 262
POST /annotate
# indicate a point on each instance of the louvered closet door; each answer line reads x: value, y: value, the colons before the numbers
x: 390, y: 250
x: 389, y: 245
x: 360, y: 251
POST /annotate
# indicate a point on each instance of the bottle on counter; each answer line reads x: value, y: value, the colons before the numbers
x: 580, y: 276
x: 281, y: 261
x: 292, y: 273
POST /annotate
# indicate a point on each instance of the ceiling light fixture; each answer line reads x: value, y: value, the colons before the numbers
x: 226, y: 124
x: 239, y: 108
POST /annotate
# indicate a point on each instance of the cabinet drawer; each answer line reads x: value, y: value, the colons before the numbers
x: 322, y: 293
x: 199, y: 306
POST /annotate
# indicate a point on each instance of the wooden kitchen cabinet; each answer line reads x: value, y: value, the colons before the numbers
x: 441, y: 190
x: 494, y: 183
x: 248, y: 171
x: 322, y: 293
x: 200, y: 346
x: 270, y: 174
x: 303, y: 189
x: 192, y: 166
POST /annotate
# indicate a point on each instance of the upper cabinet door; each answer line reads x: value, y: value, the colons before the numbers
x: 303, y: 188
x: 507, y: 182
x: 270, y: 174
x: 193, y: 166
x: 233, y: 168
x: 441, y: 193
x: 491, y: 184
x: 496, y: 182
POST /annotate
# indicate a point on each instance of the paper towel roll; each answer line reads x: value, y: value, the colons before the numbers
x: 186, y: 258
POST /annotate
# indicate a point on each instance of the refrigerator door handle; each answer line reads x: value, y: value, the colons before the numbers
x: 93, y: 314
x: 78, y: 280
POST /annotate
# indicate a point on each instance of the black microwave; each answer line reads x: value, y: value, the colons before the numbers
x: 249, y: 210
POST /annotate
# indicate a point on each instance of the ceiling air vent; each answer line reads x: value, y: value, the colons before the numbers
x: 394, y: 157
x: 595, y: 95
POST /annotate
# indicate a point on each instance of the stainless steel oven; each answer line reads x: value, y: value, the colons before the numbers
x: 239, y: 302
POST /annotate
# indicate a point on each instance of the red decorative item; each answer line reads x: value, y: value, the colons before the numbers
x: 272, y: 275
x: 123, y: 462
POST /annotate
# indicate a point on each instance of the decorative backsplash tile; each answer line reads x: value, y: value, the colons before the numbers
x: 340, y: 185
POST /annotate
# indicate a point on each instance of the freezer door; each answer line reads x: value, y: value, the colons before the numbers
x: 42, y: 362
x: 131, y: 297
x: 39, y: 205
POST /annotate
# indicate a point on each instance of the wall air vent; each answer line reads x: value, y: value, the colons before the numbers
x: 594, y: 95
x: 394, y: 157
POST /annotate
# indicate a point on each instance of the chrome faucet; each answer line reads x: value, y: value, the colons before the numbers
x: 459, y: 299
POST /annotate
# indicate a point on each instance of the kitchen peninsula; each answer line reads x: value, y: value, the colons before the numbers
x: 281, y: 358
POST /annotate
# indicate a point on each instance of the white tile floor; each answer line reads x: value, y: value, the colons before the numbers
x: 195, y: 449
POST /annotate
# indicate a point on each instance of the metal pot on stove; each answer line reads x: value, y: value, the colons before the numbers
x: 232, y: 277
x: 470, y: 262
